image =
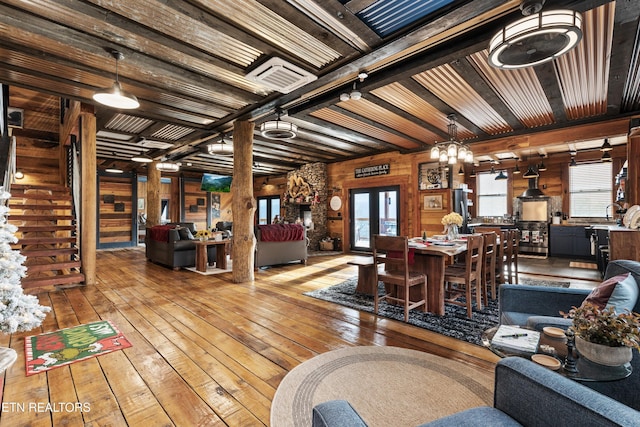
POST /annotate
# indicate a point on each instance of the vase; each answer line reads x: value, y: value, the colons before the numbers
x: 603, y: 354
x: 452, y: 232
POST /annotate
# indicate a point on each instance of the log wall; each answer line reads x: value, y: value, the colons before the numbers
x: 115, y: 225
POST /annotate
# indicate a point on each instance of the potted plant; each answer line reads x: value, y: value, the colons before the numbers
x: 604, y: 336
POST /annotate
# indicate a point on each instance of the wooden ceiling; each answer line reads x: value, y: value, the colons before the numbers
x: 187, y: 62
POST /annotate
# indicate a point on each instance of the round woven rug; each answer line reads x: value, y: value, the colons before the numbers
x: 386, y: 385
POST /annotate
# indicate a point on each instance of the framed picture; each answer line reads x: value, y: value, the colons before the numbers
x: 140, y: 204
x: 433, y: 203
x: 109, y: 198
x: 215, y: 206
x: 200, y: 201
x: 193, y: 208
x: 118, y: 207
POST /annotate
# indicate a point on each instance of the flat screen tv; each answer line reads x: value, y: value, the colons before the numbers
x: 216, y: 183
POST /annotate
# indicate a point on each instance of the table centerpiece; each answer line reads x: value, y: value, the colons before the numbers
x: 451, y: 222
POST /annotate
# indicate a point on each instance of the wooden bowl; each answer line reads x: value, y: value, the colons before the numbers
x: 546, y: 361
x: 552, y: 332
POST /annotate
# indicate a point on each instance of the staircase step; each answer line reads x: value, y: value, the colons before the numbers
x: 63, y: 279
x: 41, y: 217
x: 44, y: 241
x: 43, y: 207
x: 44, y: 228
x: 48, y: 252
x: 41, y: 196
x: 53, y: 266
x: 50, y: 187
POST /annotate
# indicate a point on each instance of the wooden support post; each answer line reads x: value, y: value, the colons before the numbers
x: 243, y: 204
x: 632, y: 191
x: 88, y: 196
x: 153, y: 195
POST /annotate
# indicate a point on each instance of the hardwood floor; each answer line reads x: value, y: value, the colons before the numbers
x: 205, y: 351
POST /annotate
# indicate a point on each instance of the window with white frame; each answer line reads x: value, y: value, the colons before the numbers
x: 492, y: 195
x: 590, y: 189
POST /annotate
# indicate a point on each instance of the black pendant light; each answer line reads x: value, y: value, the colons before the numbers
x: 473, y: 173
x: 501, y: 176
x: 530, y: 173
x: 516, y: 170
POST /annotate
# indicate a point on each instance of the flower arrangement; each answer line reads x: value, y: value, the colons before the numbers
x: 203, y: 234
x: 605, y: 326
x: 453, y: 218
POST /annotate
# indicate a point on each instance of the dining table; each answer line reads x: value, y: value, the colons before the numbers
x: 431, y: 258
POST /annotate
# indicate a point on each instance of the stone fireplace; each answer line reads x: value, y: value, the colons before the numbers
x: 305, y: 199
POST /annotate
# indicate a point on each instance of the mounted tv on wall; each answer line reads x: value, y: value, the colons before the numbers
x: 216, y: 183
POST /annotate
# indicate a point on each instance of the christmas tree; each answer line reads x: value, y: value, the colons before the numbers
x: 18, y: 311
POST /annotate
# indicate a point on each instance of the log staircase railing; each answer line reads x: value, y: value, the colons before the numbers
x: 47, y: 234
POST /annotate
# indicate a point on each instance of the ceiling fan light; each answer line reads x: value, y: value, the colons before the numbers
x: 167, y: 167
x: 220, y: 148
x: 435, y: 153
x: 278, y: 129
x: 535, y: 39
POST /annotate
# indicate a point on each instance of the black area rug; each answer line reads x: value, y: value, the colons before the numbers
x: 454, y: 323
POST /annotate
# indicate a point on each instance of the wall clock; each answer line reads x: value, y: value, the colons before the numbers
x: 335, y: 203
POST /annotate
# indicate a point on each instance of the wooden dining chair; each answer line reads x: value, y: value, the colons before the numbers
x: 490, y: 249
x: 502, y: 235
x: 467, y: 280
x: 393, y: 252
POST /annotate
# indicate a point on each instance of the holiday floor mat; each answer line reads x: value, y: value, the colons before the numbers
x: 65, y: 346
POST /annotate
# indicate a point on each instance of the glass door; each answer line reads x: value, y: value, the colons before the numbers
x: 373, y: 211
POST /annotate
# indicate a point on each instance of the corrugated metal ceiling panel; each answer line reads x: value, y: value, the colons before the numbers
x: 267, y: 25
x: 583, y: 72
x: 129, y: 124
x: 631, y: 93
x: 403, y: 98
x: 519, y: 89
x: 172, y: 132
x: 378, y: 114
x: 364, y: 128
x: 450, y: 87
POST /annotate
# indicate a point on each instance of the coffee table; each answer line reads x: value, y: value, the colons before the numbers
x: 557, y: 347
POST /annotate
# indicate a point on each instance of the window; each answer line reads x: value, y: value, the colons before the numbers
x: 268, y: 208
x: 590, y: 189
x: 492, y: 195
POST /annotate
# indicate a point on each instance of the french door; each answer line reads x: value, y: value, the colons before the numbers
x: 373, y: 211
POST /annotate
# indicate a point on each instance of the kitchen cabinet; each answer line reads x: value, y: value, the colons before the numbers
x: 569, y: 241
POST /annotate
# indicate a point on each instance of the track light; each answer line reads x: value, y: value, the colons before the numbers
x: 115, y: 96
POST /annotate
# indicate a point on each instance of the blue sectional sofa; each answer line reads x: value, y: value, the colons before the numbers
x: 525, y: 394
x: 539, y: 306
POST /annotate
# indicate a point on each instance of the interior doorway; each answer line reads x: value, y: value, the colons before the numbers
x: 373, y: 211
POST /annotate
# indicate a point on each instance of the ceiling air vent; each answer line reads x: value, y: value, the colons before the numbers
x: 154, y: 144
x: 280, y: 75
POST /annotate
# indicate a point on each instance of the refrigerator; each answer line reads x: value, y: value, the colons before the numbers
x: 461, y: 205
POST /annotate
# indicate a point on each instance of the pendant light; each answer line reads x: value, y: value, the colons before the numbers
x: 516, y: 170
x: 542, y: 167
x: 142, y: 158
x: 115, y: 96
x: 572, y: 163
x: 530, y: 173
x: 452, y: 150
x: 461, y: 171
x: 473, y: 173
x: 606, y: 146
x: 167, y: 166
x: 501, y: 176
x: 606, y: 157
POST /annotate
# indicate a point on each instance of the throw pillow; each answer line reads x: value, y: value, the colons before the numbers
x: 620, y: 292
x: 185, y: 234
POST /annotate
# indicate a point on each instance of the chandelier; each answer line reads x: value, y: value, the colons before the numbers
x: 278, y: 129
x: 452, y: 150
x: 536, y: 38
x: 220, y: 148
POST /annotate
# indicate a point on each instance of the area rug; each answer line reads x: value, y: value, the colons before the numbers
x: 388, y: 386
x: 536, y: 282
x: 454, y: 323
x: 65, y: 346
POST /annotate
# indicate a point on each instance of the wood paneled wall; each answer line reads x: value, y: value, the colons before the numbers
x: 115, y: 226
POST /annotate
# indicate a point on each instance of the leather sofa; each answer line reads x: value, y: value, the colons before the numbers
x: 164, y: 245
x: 279, y: 252
x: 539, y: 306
x: 226, y: 227
x: 525, y: 394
